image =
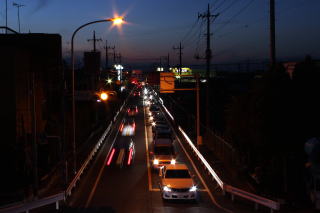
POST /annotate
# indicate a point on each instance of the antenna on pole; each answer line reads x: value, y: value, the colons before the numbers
x: 18, y: 6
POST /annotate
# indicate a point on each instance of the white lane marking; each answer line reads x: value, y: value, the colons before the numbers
x: 202, y: 181
x: 147, y: 150
x: 100, y: 173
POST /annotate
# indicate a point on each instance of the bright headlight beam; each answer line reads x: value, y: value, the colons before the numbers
x: 166, y: 189
x: 193, y: 189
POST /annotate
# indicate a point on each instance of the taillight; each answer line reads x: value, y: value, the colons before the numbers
x: 121, y: 128
x: 130, y: 156
x: 111, y: 156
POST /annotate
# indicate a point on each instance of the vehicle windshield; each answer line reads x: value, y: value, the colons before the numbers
x: 163, y: 151
x: 163, y: 135
x: 154, y: 108
x: 179, y: 173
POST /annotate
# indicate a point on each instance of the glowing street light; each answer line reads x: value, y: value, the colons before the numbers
x: 103, y: 96
x: 116, y: 21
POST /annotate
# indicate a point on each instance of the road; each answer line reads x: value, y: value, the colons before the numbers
x: 135, y: 188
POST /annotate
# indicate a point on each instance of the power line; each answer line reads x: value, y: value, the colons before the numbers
x: 235, y: 15
x: 229, y: 6
x: 218, y: 6
x: 190, y: 30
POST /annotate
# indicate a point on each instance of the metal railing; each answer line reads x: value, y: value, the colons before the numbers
x: 273, y: 205
x: 85, y: 164
x: 26, y: 207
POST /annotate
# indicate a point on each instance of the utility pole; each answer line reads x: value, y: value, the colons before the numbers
x: 34, y: 137
x: 18, y: 6
x: 114, y: 56
x: 168, y: 61
x: 107, y: 53
x: 272, y: 35
x: 119, y: 57
x: 94, y: 41
x: 6, y: 16
x: 208, y: 17
x: 199, y: 138
x: 180, y: 57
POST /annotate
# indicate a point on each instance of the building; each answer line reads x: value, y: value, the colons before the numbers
x: 32, y: 79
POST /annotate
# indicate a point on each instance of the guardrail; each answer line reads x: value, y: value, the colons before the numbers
x: 93, y: 152
x: 26, y: 207
x: 273, y: 205
x: 84, y: 165
x: 203, y: 160
x: 250, y: 196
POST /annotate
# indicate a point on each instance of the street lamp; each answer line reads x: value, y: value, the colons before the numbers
x: 116, y: 21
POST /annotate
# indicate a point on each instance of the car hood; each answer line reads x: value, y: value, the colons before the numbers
x: 178, y: 183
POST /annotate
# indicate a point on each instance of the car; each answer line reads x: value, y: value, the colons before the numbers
x: 132, y: 110
x: 136, y: 94
x: 127, y: 127
x: 154, y: 108
x: 161, y: 130
x: 176, y: 182
x: 155, y: 124
x: 122, y: 153
x: 163, y: 153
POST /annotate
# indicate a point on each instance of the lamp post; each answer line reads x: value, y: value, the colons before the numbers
x: 116, y: 21
x: 18, y: 6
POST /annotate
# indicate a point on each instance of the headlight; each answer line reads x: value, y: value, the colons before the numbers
x: 166, y: 189
x: 145, y: 97
x: 150, y: 113
x: 173, y: 161
x: 153, y: 123
x: 151, y: 118
x: 193, y: 189
x: 155, y: 162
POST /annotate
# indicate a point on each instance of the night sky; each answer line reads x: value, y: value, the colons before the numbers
x: 154, y: 27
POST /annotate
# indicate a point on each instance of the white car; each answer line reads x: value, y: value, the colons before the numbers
x: 177, y: 183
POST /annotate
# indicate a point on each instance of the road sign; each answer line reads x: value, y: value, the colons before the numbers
x: 167, y: 82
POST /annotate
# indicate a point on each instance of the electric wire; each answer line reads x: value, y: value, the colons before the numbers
x: 234, y: 16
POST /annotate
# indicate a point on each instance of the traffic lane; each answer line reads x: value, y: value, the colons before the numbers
x: 203, y: 203
x: 126, y: 189
x: 81, y: 192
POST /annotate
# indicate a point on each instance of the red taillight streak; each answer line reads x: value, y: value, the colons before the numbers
x: 121, y: 128
x: 136, y: 110
x: 130, y: 157
x: 111, y: 156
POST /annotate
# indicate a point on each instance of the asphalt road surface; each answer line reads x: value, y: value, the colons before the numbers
x: 134, y: 188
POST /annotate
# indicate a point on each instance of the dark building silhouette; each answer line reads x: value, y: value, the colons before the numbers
x: 31, y: 73
x: 92, y: 62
